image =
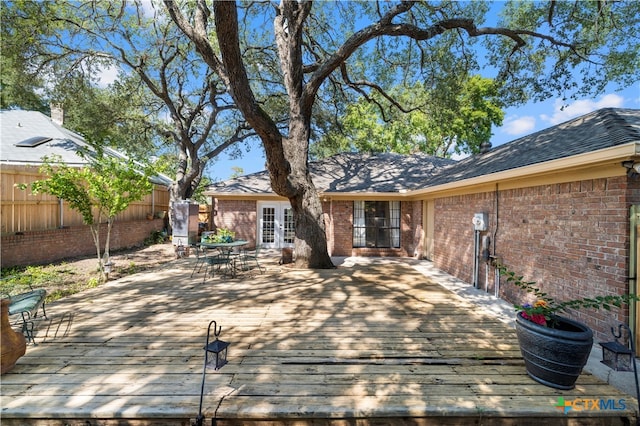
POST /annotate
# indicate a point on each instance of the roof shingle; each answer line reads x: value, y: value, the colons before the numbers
x: 385, y: 173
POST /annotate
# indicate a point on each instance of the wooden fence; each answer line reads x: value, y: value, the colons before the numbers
x: 21, y: 211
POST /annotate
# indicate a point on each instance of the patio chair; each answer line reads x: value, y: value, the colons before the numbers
x: 25, y: 309
x: 249, y: 260
x: 220, y: 262
x: 201, y: 254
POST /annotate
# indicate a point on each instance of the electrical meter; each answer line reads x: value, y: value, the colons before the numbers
x: 479, y: 222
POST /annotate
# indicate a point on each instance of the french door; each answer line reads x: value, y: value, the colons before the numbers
x: 275, y: 224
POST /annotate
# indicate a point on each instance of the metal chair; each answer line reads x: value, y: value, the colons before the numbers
x: 250, y: 257
x: 201, y: 255
x: 211, y: 260
x: 217, y: 262
x: 25, y: 308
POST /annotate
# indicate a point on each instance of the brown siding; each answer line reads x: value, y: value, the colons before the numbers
x: 22, y: 211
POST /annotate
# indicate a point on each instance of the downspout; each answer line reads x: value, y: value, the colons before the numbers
x: 476, y: 257
x: 633, y: 265
x: 496, y: 287
x: 60, y: 207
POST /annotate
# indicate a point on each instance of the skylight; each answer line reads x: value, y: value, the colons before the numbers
x: 33, y: 142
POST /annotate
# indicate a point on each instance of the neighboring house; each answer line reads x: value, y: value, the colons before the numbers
x: 40, y: 229
x: 558, y: 206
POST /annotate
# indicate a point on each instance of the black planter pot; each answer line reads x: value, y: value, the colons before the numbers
x: 554, y: 356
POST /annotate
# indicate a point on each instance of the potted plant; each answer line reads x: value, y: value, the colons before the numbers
x: 555, y: 348
x: 223, y: 235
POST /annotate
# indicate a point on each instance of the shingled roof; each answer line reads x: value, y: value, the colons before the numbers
x: 388, y: 173
x: 18, y: 126
x: 350, y: 172
x: 601, y: 129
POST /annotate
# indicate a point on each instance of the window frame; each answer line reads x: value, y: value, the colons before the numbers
x: 375, y: 225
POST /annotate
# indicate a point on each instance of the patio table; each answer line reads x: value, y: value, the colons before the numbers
x: 227, y: 248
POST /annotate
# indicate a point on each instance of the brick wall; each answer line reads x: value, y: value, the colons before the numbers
x: 454, y: 234
x: 342, y: 225
x: 570, y: 238
x: 42, y: 247
x: 239, y: 216
x: 341, y: 238
x: 416, y: 228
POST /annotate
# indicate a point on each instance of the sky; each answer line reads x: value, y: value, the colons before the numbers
x: 518, y: 122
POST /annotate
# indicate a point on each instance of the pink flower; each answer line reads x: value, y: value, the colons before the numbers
x: 537, y: 318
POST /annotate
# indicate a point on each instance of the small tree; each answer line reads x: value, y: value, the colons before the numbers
x: 99, y: 191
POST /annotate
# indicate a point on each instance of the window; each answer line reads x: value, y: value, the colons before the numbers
x: 376, y: 224
x: 268, y: 225
x: 289, y: 226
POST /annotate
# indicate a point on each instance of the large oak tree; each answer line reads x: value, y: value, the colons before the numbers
x: 536, y: 50
x: 164, y: 101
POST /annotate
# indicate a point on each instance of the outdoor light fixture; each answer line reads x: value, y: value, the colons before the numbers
x: 217, y: 350
x: 620, y: 357
x: 633, y: 168
x: 617, y: 356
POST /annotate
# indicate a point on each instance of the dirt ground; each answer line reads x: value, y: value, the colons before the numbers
x: 77, y: 274
x: 127, y: 261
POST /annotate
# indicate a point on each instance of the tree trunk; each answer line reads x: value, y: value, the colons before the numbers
x: 311, y: 243
x: 286, y: 156
x: 95, y: 232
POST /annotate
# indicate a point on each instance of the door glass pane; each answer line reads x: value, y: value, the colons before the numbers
x: 268, y: 225
x: 376, y: 224
x: 358, y: 224
x: 289, y: 230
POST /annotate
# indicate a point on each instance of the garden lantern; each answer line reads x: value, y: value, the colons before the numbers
x: 617, y: 356
x: 219, y: 350
x: 620, y: 357
x: 215, y: 356
x: 107, y: 267
x: 180, y: 250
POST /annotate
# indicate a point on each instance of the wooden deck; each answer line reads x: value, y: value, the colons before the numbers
x: 365, y: 344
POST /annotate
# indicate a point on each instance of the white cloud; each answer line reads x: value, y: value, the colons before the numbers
x: 108, y: 75
x: 518, y: 125
x: 581, y: 107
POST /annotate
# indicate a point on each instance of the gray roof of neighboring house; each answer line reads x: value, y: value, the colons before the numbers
x: 17, y: 126
x: 350, y: 172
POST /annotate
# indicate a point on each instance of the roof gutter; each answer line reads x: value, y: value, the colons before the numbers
x: 571, y: 168
x: 611, y: 156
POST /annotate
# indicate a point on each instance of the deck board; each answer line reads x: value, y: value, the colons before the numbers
x: 376, y: 343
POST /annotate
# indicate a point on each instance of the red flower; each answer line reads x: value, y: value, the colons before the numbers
x: 537, y: 318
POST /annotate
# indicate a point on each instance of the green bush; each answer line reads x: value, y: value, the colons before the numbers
x: 155, y: 237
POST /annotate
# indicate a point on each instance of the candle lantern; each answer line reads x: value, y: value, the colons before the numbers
x: 621, y: 357
x: 215, y: 356
x: 617, y: 356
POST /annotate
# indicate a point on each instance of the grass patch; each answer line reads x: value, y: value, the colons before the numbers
x: 59, y: 280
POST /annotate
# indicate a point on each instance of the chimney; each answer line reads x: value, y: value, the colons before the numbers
x: 485, y: 147
x: 57, y: 113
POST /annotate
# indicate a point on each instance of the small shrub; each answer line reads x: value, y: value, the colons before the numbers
x: 155, y: 237
x: 93, y: 282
